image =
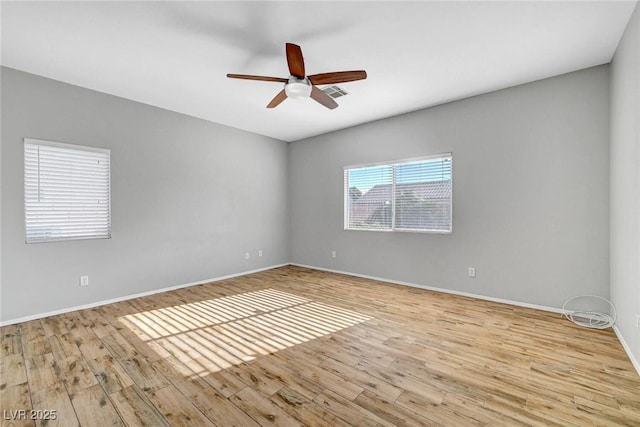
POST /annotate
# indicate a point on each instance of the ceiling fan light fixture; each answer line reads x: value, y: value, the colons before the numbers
x: 300, y: 86
x: 298, y: 89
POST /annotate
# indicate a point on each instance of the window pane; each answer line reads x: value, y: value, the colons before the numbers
x: 369, y: 192
x: 67, y: 192
x: 413, y: 195
x: 423, y: 195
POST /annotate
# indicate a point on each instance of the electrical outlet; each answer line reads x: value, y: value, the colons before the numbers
x: 637, y: 322
x: 333, y: 254
x: 472, y: 272
x: 84, y: 280
x: 260, y: 252
x: 246, y: 255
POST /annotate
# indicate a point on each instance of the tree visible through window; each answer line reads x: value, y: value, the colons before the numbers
x: 411, y: 195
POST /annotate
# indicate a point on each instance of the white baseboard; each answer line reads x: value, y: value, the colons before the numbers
x: 432, y: 288
x: 626, y: 347
x: 132, y: 296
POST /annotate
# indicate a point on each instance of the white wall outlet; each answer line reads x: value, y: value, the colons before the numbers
x: 260, y: 252
x: 246, y: 255
x: 84, y: 280
x: 472, y: 272
x: 333, y: 254
x: 637, y: 322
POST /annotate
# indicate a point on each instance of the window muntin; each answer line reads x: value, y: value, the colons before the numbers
x: 407, y: 195
x: 67, y: 192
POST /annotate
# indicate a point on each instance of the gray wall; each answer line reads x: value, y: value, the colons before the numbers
x: 625, y: 184
x: 531, y: 185
x: 531, y: 193
x: 189, y: 198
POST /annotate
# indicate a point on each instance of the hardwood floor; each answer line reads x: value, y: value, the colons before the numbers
x: 293, y: 346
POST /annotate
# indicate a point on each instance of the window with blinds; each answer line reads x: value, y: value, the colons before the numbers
x: 67, y: 193
x: 409, y: 195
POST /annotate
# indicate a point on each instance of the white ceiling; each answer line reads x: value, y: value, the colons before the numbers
x: 176, y: 55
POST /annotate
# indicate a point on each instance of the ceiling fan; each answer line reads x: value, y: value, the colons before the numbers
x: 299, y: 85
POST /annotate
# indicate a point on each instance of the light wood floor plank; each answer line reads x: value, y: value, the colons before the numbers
x: 177, y: 409
x: 293, y: 346
x: 135, y: 408
x: 12, y: 371
x: 10, y: 343
x: 221, y: 410
x: 262, y: 410
x: 55, y: 398
x: 42, y: 372
x: 76, y: 374
x: 13, y: 399
x: 289, y: 377
x: 94, y: 408
x: 309, y: 413
x: 224, y: 382
x: 387, y: 410
x: 111, y: 376
x: 349, y: 411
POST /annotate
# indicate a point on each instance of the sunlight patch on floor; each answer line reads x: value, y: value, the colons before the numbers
x: 212, y: 335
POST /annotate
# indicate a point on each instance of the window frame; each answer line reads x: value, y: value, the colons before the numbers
x: 394, y: 164
x: 27, y: 188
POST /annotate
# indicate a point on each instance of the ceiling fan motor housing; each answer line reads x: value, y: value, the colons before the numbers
x: 297, y: 88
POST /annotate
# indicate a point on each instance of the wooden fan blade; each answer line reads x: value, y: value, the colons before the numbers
x: 323, y: 98
x: 281, y: 96
x: 337, y: 77
x: 295, y: 60
x: 261, y: 78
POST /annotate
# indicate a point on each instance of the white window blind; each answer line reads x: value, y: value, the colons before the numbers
x: 410, y: 195
x: 66, y: 192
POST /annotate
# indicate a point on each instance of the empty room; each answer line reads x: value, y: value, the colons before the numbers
x: 301, y: 213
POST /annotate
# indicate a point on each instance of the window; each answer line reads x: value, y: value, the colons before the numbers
x: 66, y: 192
x: 410, y: 195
